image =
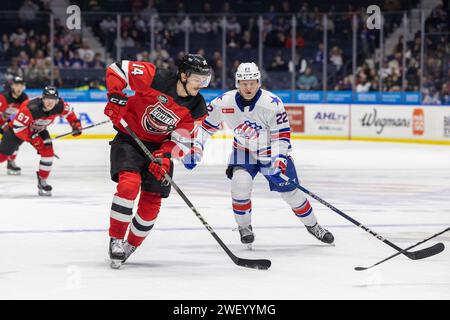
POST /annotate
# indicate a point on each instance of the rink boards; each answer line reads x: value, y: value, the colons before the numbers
x: 393, y: 123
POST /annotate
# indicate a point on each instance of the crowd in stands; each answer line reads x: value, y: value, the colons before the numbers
x: 26, y: 50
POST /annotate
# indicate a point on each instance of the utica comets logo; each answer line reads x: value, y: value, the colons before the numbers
x: 157, y: 119
x: 248, y: 130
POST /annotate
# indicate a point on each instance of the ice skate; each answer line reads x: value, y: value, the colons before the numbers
x: 12, y: 168
x: 128, y: 249
x: 247, y: 236
x: 116, y: 253
x: 45, y: 190
x: 321, y: 234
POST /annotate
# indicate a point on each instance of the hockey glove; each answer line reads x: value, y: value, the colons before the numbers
x: 279, y: 165
x: 76, y: 128
x: 37, y: 141
x: 159, y: 170
x: 191, y: 159
x: 116, y: 107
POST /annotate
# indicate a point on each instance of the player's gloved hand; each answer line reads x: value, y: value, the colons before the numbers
x: 279, y: 165
x: 76, y: 128
x: 159, y: 170
x: 116, y: 107
x: 191, y: 159
x: 37, y: 141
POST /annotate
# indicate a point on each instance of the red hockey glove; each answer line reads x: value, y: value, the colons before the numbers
x: 279, y: 165
x: 159, y: 170
x: 76, y: 128
x: 116, y: 107
x: 37, y: 141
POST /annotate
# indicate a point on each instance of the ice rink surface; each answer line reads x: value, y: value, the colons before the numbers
x: 57, y: 247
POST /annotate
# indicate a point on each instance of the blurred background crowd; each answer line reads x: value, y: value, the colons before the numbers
x: 302, y: 45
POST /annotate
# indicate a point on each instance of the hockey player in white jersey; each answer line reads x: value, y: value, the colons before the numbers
x: 261, y: 145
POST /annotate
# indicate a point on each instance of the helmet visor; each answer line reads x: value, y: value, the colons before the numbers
x: 200, y: 80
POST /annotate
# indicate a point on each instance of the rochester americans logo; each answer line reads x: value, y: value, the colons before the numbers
x: 157, y: 119
x: 248, y: 130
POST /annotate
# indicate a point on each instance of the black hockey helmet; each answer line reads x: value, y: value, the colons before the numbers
x: 194, y: 63
x: 18, y: 79
x: 50, y: 93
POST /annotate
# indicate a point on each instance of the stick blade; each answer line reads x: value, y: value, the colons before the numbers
x: 261, y: 264
x: 360, y: 268
x: 427, y: 252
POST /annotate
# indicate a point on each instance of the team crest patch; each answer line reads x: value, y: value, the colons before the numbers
x: 163, y: 99
x: 248, y: 130
x: 157, y: 119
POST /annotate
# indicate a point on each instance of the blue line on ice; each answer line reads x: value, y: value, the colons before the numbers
x: 4, y: 232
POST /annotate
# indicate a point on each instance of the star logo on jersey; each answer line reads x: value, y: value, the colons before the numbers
x: 275, y: 100
x: 157, y: 119
x: 248, y: 130
x: 221, y: 96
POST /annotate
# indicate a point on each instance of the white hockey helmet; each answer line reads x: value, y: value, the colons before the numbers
x: 247, y: 71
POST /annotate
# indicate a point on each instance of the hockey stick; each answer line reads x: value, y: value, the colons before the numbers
x: 82, y: 129
x: 404, y: 250
x: 262, y: 264
x: 416, y: 255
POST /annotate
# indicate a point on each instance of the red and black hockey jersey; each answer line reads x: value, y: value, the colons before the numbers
x: 155, y: 113
x: 10, y: 105
x: 32, y: 118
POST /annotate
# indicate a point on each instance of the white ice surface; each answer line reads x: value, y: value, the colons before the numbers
x: 57, y: 247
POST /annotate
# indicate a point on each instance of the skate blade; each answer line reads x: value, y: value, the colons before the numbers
x: 116, y: 264
x: 13, y: 173
x: 44, y: 194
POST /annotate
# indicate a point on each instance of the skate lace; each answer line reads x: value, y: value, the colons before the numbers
x: 116, y: 246
x: 318, y: 231
x: 245, y: 231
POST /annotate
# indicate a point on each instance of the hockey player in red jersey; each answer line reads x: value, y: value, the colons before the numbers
x: 162, y: 114
x: 30, y: 125
x: 10, y: 101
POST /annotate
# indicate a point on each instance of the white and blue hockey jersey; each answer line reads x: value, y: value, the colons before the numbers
x: 260, y: 127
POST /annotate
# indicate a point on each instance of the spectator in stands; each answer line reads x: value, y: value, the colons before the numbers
x: 76, y: 62
x: 149, y: 10
x: 431, y: 96
x: 319, y: 54
x: 336, y: 57
x: 23, y: 59
x: 97, y: 62
x: 19, y: 34
x: 174, y: 25
x: 232, y: 40
x: 59, y: 60
x: 28, y: 11
x: 363, y: 86
x: 159, y: 53
x: 14, y: 49
x: 344, y: 84
x: 278, y: 63
x: 86, y: 53
x: 108, y: 29
x: 308, y: 81
x: 445, y: 94
x: 202, y: 26
x: 126, y: 41
x: 233, y: 25
x: 246, y: 41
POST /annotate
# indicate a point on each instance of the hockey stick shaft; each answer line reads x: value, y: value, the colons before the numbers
x: 404, y: 250
x: 82, y: 129
x: 355, y: 222
x: 266, y: 263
